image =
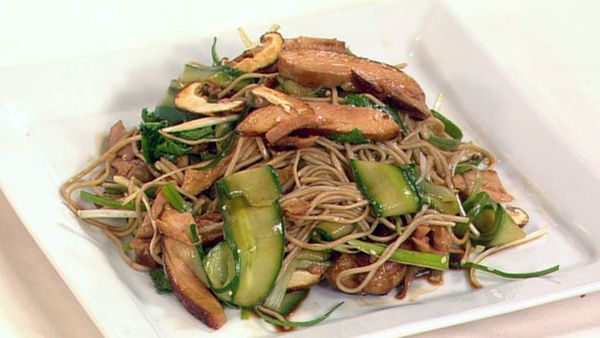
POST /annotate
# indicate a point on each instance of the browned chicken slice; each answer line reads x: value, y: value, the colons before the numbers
x: 190, y: 291
x: 196, y: 181
x: 210, y: 227
x: 145, y: 230
x: 490, y: 183
x: 338, y: 119
x: 321, y: 68
x: 304, y: 42
x: 295, y: 142
x: 141, y: 248
x: 175, y: 224
x: 126, y: 164
x: 288, y: 126
x: 387, y: 277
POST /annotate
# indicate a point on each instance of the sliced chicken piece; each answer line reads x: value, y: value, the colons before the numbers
x: 337, y: 119
x: 146, y: 231
x: 288, y: 126
x: 441, y: 239
x: 175, y: 224
x: 210, y: 227
x: 410, y: 276
x: 196, y: 181
x: 490, y: 183
x: 314, y: 68
x: 387, y: 276
x: 295, y: 142
x: 141, y: 248
x: 125, y: 163
x: 190, y: 291
x: 304, y: 42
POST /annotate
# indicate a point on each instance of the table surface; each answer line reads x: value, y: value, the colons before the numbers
x: 549, y: 48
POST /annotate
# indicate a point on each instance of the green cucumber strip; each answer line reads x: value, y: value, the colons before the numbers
x: 255, y: 235
x: 245, y: 314
x: 390, y: 189
x: 331, y: 231
x: 175, y: 199
x: 506, y: 230
x: 439, y: 197
x: 314, y: 256
x: 291, y: 301
x: 287, y: 323
x: 106, y: 202
x: 473, y: 206
x: 444, y: 143
x: 510, y: 275
x: 408, y: 257
x: 450, y: 127
x: 219, y: 266
x: 260, y: 186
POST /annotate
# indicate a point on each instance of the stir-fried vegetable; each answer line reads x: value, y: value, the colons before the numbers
x: 308, y: 323
x: 504, y: 274
x: 175, y: 199
x: 161, y: 283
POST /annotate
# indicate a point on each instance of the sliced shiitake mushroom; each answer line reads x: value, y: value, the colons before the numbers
x: 261, y: 56
x: 188, y: 99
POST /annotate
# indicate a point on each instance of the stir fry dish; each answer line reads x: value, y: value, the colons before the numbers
x: 292, y: 165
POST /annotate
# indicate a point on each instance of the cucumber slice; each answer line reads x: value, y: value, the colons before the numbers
x: 292, y: 87
x: 439, y: 197
x: 220, y: 267
x: 254, y: 233
x: 291, y: 301
x: 260, y: 186
x: 390, y: 189
x: 507, y: 230
x: 256, y: 237
x: 330, y: 231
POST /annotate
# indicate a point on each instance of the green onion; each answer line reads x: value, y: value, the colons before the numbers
x: 277, y: 294
x: 160, y: 280
x: 213, y: 52
x: 287, y: 323
x: 450, y: 127
x: 444, y: 143
x: 196, y: 239
x: 103, y: 201
x: 408, y: 257
x: 511, y: 275
x: 195, y: 134
x: 175, y: 199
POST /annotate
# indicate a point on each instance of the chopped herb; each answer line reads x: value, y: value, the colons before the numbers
x: 155, y: 146
x: 149, y: 117
x: 161, y: 283
x: 355, y: 136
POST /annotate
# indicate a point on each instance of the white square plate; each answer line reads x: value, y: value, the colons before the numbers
x: 53, y: 116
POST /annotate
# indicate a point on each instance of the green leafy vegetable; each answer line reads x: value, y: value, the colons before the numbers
x: 357, y: 100
x: 355, y: 136
x: 175, y: 199
x: 148, y: 116
x: 161, y: 283
x: 288, y: 323
x: 155, y: 146
x: 504, y: 274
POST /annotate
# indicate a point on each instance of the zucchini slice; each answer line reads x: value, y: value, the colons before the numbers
x: 254, y: 233
x: 391, y: 190
x: 330, y: 231
x: 260, y: 186
x: 220, y: 267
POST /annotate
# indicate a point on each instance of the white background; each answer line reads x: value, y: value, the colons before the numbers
x: 551, y: 49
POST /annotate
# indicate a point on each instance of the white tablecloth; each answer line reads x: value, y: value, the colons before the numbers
x: 549, y: 47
